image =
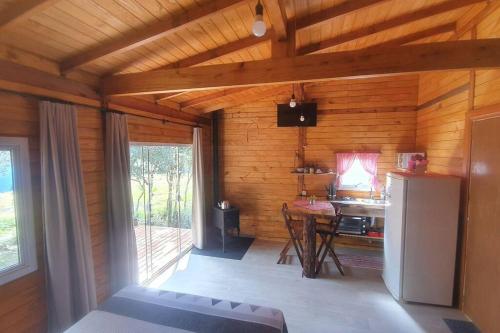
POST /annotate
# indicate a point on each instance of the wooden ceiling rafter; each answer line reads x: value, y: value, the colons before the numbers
x: 165, y: 97
x: 221, y: 51
x: 490, y: 7
x: 386, y: 25
x: 248, y: 98
x: 433, y: 31
x: 277, y: 14
x: 333, y: 12
x: 455, y: 55
x: 151, y: 33
x: 22, y: 11
x: 444, y: 28
x: 202, y: 57
x: 207, y: 98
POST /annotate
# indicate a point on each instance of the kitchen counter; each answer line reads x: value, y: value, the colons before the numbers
x: 362, y: 207
x: 373, y: 203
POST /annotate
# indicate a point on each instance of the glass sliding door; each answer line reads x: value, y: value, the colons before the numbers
x: 161, y: 180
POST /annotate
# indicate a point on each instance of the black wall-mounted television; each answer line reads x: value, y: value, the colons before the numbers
x: 291, y: 117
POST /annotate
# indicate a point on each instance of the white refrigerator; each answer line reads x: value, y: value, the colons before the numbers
x: 420, y: 237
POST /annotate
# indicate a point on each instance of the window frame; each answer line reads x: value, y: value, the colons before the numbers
x: 343, y: 187
x: 23, y: 201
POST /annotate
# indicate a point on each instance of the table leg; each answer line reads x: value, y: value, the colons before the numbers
x: 309, y: 257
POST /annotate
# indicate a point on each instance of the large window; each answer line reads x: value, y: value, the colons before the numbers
x: 161, y: 181
x: 17, y: 243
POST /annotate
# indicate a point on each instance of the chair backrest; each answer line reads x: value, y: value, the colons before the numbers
x: 291, y: 223
x: 338, y: 216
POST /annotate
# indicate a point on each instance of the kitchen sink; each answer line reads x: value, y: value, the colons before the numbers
x: 372, y: 201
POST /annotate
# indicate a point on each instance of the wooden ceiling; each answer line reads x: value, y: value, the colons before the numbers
x: 104, y: 37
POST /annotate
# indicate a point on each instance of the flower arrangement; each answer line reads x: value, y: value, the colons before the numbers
x: 418, y: 164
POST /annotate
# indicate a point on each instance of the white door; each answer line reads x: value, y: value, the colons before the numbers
x: 394, y: 234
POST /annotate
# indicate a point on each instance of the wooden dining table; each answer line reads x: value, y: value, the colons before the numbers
x: 318, y: 210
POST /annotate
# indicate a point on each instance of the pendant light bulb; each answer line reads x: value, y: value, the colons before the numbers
x: 293, y: 102
x: 259, y: 27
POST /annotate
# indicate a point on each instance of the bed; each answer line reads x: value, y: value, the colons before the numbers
x: 145, y: 310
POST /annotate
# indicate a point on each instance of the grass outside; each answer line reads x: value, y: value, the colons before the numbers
x: 9, y: 254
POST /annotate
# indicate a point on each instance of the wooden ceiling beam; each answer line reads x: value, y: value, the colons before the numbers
x: 220, y: 51
x: 468, y: 54
x: 333, y: 12
x: 386, y: 25
x: 277, y: 14
x: 200, y: 58
x: 490, y: 7
x: 440, y: 29
x: 26, y: 80
x: 165, y: 97
x: 151, y: 33
x: 207, y: 98
x: 214, y: 54
x: 248, y: 98
x: 22, y: 10
x: 127, y: 103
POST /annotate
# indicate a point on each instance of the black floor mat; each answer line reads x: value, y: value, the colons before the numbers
x: 235, y: 249
x: 461, y: 326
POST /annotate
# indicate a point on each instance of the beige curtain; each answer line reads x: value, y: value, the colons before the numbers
x: 69, y: 268
x: 122, y: 246
x: 198, y: 224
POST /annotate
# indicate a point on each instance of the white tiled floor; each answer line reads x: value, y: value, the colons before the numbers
x: 357, y: 302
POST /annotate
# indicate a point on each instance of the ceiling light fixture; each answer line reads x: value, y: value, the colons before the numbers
x: 293, y: 101
x: 259, y: 27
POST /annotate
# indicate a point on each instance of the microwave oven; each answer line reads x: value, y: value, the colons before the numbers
x: 403, y: 158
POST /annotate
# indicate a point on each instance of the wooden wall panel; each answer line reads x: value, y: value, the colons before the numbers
x: 22, y: 301
x: 440, y: 127
x: 91, y: 137
x: 381, y: 130
x: 257, y: 157
x: 24, y: 308
x: 488, y: 81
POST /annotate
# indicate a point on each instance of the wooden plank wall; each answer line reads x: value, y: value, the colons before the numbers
x: 22, y: 302
x: 22, y: 306
x: 370, y: 115
x: 487, y: 86
x: 257, y: 157
x: 440, y: 126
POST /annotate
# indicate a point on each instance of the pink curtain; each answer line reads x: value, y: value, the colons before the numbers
x: 344, y: 163
x: 369, y: 163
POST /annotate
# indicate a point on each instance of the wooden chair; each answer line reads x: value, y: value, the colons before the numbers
x: 327, y: 231
x: 295, y: 230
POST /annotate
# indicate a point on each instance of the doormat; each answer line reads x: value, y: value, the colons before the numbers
x: 461, y: 326
x: 361, y: 261
x: 235, y: 249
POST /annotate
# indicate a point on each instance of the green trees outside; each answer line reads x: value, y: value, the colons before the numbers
x: 161, y: 178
